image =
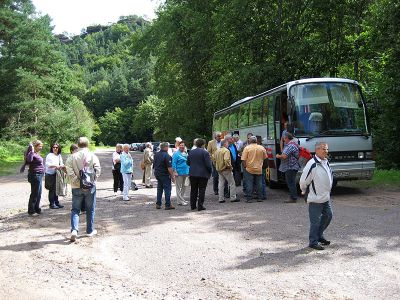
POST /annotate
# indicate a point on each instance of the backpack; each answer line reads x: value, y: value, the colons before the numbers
x: 87, y: 176
x: 304, y: 155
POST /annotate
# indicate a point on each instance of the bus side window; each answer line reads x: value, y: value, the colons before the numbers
x: 233, y: 119
x: 265, y: 111
x: 255, y: 112
x: 225, y: 121
x: 244, y: 116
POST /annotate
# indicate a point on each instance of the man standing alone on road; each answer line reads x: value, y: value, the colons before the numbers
x: 83, y: 159
x: 316, y: 180
x: 223, y: 165
x: 164, y: 175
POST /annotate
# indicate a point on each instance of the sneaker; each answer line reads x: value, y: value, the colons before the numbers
x: 317, y: 247
x: 38, y: 211
x: 54, y: 206
x: 158, y: 206
x: 169, y: 207
x: 60, y: 206
x: 126, y: 199
x: 74, y: 235
x: 324, y: 242
x: 94, y: 232
x: 221, y: 201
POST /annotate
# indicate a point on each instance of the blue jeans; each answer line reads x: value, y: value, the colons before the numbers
x: 89, y: 196
x: 35, y: 179
x: 251, y: 180
x: 264, y: 185
x: 320, y: 216
x: 164, y: 185
x: 290, y: 176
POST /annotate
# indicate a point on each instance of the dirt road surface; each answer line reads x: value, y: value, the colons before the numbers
x: 230, y: 251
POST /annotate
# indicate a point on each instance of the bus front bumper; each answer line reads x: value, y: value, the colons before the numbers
x: 353, y: 170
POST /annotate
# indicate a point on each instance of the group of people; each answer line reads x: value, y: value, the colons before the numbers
x: 224, y: 159
x: 83, y: 199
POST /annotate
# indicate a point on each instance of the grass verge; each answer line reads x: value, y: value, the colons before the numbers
x: 382, y: 179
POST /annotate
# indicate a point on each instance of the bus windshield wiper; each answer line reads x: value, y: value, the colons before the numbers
x: 318, y: 135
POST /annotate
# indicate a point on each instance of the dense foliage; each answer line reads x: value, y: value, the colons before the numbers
x: 135, y: 80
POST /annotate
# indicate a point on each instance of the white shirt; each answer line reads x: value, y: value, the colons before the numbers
x: 53, y: 160
x: 115, y: 156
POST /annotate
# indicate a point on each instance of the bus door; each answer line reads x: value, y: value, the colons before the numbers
x: 280, y: 117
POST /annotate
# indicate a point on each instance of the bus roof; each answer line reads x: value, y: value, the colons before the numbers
x: 287, y: 86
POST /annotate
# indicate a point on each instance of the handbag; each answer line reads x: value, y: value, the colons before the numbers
x: 49, y: 181
x: 61, y: 183
x: 142, y: 165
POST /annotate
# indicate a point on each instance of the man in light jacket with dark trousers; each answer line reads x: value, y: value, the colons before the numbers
x: 316, y: 183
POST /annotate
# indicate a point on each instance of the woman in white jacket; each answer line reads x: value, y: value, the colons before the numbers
x: 316, y: 181
x: 54, y: 162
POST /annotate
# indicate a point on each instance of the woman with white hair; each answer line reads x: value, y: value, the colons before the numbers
x: 126, y: 170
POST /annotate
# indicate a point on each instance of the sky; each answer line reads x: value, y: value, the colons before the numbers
x: 72, y: 16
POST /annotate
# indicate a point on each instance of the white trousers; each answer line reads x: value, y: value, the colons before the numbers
x: 127, y: 184
x: 180, y: 188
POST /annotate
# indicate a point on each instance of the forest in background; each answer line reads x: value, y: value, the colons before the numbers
x: 137, y: 80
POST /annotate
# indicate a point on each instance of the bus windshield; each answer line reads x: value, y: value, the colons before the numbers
x: 332, y: 108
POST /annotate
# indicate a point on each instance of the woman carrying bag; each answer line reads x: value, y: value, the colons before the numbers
x: 53, y: 163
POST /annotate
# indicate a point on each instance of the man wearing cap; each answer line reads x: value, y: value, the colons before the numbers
x: 253, y: 157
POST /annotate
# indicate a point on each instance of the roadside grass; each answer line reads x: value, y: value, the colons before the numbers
x: 10, y: 167
x: 381, y: 179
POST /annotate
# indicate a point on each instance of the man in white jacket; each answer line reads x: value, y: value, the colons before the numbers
x: 316, y: 181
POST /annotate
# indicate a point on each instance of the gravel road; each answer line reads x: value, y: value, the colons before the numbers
x: 230, y: 251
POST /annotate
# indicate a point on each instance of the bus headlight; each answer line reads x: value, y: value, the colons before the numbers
x: 360, y: 155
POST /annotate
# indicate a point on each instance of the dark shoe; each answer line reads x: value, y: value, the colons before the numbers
x: 236, y: 200
x: 221, y: 201
x: 149, y: 186
x: 201, y: 208
x: 54, y: 206
x: 193, y: 208
x: 158, y: 206
x: 169, y: 207
x: 216, y: 193
x: 227, y: 196
x: 31, y: 213
x: 83, y: 211
x: 60, y: 206
x: 324, y: 242
x: 317, y: 247
x: 290, y: 201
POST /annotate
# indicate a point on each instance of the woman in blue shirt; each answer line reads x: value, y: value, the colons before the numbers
x: 126, y: 170
x: 181, y: 172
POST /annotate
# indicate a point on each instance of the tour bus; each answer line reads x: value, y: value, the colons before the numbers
x: 318, y: 109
